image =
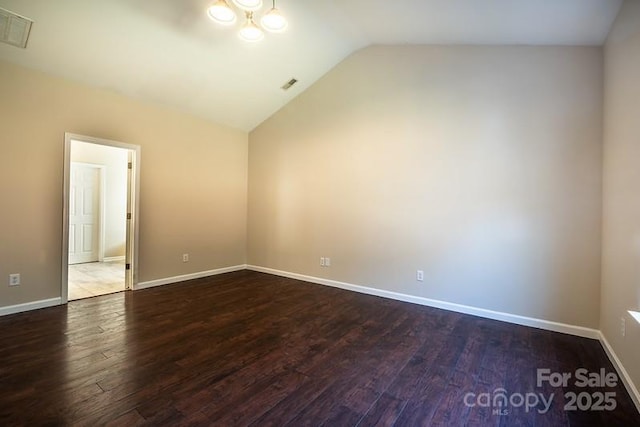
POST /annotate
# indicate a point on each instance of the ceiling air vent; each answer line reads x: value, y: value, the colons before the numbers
x: 14, y: 29
x: 288, y: 84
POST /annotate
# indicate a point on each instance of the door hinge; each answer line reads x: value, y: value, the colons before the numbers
x: 128, y: 216
x: 127, y: 266
x: 130, y: 165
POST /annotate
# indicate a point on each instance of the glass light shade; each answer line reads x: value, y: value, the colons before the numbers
x: 249, y: 5
x: 273, y: 21
x: 222, y: 13
x: 250, y: 32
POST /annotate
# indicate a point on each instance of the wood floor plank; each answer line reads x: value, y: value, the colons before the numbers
x: 384, y: 412
x: 249, y: 348
x: 450, y: 411
x: 421, y: 407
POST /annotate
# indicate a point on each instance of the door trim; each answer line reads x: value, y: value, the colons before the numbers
x: 131, y: 277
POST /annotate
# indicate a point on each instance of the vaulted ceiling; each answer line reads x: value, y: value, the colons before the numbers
x: 169, y: 52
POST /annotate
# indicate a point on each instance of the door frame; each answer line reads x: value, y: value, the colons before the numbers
x: 133, y: 201
x: 101, y: 203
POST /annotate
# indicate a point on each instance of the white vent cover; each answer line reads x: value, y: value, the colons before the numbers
x: 290, y: 83
x: 14, y: 29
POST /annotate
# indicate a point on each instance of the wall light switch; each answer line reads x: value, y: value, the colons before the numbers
x: 14, y: 279
x: 322, y: 262
x: 185, y: 257
x: 327, y: 262
x: 420, y: 275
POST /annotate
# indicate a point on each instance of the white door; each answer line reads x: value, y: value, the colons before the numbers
x: 84, y: 209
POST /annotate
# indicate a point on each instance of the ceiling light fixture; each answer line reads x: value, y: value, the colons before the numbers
x: 272, y: 21
x: 250, y: 5
x: 222, y: 13
x: 250, y: 32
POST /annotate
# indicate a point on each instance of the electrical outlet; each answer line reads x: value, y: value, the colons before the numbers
x: 420, y: 275
x: 623, y: 326
x: 327, y: 262
x: 185, y: 257
x: 14, y: 279
x: 322, y: 262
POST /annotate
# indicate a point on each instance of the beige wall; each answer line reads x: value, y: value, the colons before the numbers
x: 114, y: 161
x: 193, y: 181
x: 621, y: 232
x: 479, y: 165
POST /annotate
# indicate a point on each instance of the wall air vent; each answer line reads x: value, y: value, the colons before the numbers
x: 14, y: 29
x: 288, y: 84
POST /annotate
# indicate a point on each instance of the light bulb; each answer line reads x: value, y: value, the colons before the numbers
x: 249, y: 5
x: 250, y: 32
x: 273, y: 21
x: 222, y: 13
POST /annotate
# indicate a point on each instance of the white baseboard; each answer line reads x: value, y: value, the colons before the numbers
x: 113, y: 258
x: 622, y: 372
x: 34, y: 305
x: 184, y: 277
x: 481, y: 312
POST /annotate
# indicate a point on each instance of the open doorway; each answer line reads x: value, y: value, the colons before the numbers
x: 101, y: 190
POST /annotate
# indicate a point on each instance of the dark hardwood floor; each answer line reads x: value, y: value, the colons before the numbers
x: 248, y: 348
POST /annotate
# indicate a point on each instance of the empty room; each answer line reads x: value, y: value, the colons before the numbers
x: 337, y: 213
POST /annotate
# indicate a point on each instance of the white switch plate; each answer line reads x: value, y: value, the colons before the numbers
x: 14, y: 279
x: 420, y: 275
x: 322, y: 261
x: 327, y: 262
x: 185, y: 257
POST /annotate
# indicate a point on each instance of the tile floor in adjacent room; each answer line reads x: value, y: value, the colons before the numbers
x: 95, y: 278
